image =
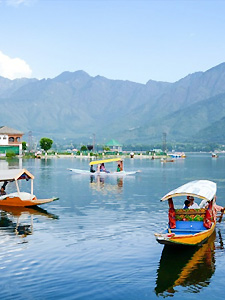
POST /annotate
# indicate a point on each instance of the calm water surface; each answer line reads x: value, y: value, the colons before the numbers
x: 97, y: 241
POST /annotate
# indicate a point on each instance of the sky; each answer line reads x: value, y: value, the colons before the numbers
x: 136, y: 40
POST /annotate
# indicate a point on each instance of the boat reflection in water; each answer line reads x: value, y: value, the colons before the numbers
x: 19, y: 220
x: 100, y: 184
x: 187, y: 267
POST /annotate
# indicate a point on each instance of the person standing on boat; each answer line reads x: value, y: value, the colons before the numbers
x: 121, y: 165
x: 118, y: 168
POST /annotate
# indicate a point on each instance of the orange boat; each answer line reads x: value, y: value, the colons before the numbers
x: 19, y: 198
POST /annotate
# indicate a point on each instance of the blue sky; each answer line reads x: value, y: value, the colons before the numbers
x: 120, y: 39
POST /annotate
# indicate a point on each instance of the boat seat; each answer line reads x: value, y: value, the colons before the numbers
x: 189, y: 225
x: 186, y: 231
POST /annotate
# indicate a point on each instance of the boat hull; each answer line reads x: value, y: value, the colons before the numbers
x: 85, y: 172
x: 189, y: 239
x: 17, y: 201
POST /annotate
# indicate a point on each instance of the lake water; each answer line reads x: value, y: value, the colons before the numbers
x: 97, y: 241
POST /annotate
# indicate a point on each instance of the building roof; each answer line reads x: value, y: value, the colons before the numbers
x: 112, y: 143
x: 8, y: 130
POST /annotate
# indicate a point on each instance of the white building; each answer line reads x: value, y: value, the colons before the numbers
x: 10, y: 140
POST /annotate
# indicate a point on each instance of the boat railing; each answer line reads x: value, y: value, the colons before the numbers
x: 190, y: 214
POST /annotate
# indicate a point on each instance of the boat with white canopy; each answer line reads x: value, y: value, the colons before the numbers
x: 191, y: 226
x: 19, y: 198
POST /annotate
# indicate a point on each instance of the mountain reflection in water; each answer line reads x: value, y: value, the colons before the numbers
x: 187, y: 267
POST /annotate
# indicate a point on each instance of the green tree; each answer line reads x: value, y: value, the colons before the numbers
x: 46, y: 143
x: 24, y: 146
x: 83, y: 148
x: 106, y: 148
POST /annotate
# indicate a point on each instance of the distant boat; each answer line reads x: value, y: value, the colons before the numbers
x: 19, y: 198
x: 166, y: 160
x: 215, y: 155
x: 100, y: 172
x: 177, y: 154
x: 190, y: 227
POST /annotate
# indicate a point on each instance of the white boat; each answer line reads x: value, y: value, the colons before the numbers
x: 19, y: 198
x: 177, y: 154
x: 121, y: 173
x: 98, y: 172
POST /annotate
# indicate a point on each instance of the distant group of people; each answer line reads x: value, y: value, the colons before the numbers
x: 102, y: 168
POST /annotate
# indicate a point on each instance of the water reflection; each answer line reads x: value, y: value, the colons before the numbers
x: 11, y: 163
x: 100, y: 184
x: 19, y: 220
x: 46, y: 162
x: 187, y: 267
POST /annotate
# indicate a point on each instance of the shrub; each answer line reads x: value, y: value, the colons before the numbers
x: 10, y: 154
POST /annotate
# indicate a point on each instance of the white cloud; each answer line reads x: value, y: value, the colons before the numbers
x: 13, y: 67
x: 19, y: 2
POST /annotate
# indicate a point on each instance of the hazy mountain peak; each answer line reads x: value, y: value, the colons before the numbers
x: 70, y: 76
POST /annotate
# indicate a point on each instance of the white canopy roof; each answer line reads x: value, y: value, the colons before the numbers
x: 15, y: 174
x: 203, y: 189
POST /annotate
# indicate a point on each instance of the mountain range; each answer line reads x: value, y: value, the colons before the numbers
x: 75, y: 106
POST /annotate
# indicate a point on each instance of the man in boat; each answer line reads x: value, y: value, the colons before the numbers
x: 193, y: 204
x: 2, y: 191
x: 92, y: 169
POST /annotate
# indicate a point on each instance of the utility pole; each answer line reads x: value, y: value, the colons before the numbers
x: 93, y: 142
x: 164, y: 142
x: 30, y: 140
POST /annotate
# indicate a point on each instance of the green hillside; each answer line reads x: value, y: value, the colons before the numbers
x: 74, y: 105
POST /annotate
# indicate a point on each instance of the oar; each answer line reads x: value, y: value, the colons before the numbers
x: 221, y: 216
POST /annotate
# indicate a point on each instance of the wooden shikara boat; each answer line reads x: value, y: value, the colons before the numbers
x: 98, y: 172
x: 190, y: 227
x: 19, y: 198
x: 195, y: 267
